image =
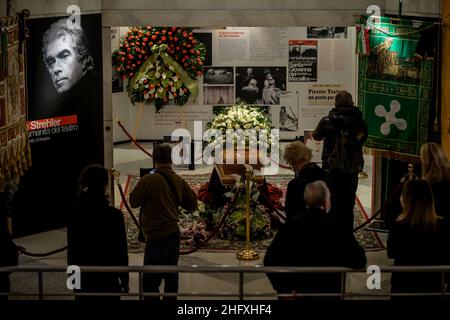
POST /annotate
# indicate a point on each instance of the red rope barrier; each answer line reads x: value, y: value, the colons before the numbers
x: 133, y: 140
x: 23, y: 251
x: 203, y: 242
x: 127, y: 206
x: 214, y: 232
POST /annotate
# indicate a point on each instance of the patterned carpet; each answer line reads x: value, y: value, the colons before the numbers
x: 368, y: 239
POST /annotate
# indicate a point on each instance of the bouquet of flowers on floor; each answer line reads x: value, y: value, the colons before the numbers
x: 161, y: 64
x: 234, y: 227
x: 242, y: 119
x: 192, y: 226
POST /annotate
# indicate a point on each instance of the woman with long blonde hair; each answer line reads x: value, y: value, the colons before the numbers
x: 436, y: 170
x: 418, y: 237
x: 418, y: 207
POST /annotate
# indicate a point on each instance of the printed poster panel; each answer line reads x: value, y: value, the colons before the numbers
x: 302, y: 60
x: 65, y: 118
x: 323, y: 94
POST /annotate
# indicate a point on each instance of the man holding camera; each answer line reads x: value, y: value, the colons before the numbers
x: 159, y: 195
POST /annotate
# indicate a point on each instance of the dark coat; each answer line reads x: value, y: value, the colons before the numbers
x: 441, y: 194
x: 8, y: 252
x: 341, y: 117
x: 295, y: 200
x: 414, y: 246
x: 315, y: 240
x: 96, y: 236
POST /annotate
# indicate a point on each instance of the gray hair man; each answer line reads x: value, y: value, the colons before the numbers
x: 313, y: 239
x: 66, y: 55
x: 318, y: 196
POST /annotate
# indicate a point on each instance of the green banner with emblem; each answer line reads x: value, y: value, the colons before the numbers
x: 395, y: 84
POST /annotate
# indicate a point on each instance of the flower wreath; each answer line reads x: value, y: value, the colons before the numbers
x: 161, y: 64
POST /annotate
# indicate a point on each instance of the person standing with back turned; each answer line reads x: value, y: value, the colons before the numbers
x: 313, y: 239
x: 344, y: 132
x: 96, y: 236
x: 159, y: 195
x: 418, y: 237
x: 436, y: 171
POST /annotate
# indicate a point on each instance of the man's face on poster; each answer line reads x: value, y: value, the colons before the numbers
x: 63, y: 63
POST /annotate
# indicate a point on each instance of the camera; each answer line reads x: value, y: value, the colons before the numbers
x: 144, y: 171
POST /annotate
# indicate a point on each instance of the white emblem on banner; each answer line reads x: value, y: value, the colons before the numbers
x: 390, y: 117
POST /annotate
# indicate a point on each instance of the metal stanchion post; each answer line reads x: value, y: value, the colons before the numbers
x: 40, y: 286
x: 248, y: 253
x: 241, y: 285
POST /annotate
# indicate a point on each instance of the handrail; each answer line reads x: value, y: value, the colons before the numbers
x: 224, y: 269
x: 239, y: 270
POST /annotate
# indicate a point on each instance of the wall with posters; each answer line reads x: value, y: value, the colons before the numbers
x: 294, y: 71
x: 211, y: 13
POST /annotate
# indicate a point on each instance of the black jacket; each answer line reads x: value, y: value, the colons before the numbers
x: 295, y: 200
x: 8, y: 256
x: 441, y: 194
x: 96, y: 236
x: 316, y: 240
x: 414, y: 246
x: 341, y: 117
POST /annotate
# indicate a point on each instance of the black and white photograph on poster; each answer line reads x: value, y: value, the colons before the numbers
x: 327, y: 32
x: 117, y: 82
x: 218, y: 75
x: 315, y: 146
x: 288, y: 118
x: 218, y: 95
x: 302, y: 61
x: 65, y: 100
x: 260, y: 85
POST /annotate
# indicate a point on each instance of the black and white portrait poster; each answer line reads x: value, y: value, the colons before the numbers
x: 260, y: 85
x: 65, y: 117
x: 302, y: 60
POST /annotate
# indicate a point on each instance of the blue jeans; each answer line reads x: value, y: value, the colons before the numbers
x: 163, y: 251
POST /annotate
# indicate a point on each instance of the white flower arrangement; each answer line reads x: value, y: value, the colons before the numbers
x: 243, y: 119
